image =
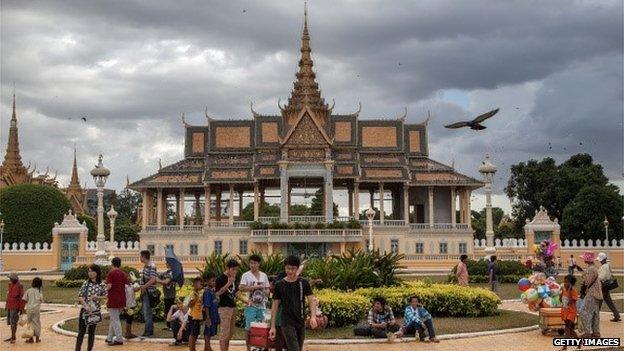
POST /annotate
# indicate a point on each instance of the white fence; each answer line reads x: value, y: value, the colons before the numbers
x: 119, y: 245
x: 591, y: 243
x: 501, y: 243
x: 27, y: 247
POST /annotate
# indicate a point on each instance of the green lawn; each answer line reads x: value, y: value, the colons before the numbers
x: 504, y: 320
x: 51, y: 293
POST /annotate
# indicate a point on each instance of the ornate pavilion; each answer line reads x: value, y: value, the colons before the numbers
x: 422, y: 206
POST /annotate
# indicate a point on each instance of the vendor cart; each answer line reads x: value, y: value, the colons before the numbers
x: 550, y: 320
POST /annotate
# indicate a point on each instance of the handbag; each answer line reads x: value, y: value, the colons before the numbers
x: 610, y: 284
x: 92, y: 318
x: 28, y: 332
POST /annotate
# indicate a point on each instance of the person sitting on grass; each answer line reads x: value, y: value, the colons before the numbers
x: 417, y: 318
x: 211, y: 309
x: 381, y: 322
x: 177, y: 316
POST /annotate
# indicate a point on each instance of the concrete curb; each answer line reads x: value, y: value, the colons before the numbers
x: 58, y: 328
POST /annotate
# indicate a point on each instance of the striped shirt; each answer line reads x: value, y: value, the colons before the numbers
x: 375, y: 317
x: 149, y: 271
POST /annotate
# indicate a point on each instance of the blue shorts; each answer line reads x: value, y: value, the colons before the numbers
x: 211, y: 330
x: 253, y: 314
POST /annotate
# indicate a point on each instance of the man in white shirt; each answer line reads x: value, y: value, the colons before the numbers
x: 256, y: 283
x: 604, y: 274
x: 177, y: 317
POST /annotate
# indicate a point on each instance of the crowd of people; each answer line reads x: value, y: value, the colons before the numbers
x: 213, y: 303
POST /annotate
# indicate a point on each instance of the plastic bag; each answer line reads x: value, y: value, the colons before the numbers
x: 29, y: 331
x: 23, y: 320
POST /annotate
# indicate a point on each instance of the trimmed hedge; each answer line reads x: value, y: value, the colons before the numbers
x: 480, y: 279
x: 80, y: 272
x: 439, y: 299
x: 29, y: 212
x: 67, y: 283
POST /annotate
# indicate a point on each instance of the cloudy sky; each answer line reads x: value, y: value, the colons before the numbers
x: 131, y: 67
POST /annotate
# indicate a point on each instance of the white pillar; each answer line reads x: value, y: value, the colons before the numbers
x: 382, y: 213
x: 453, y: 207
x: 431, y: 217
x: 256, y: 202
x: 144, y: 210
x: 283, y: 193
x: 181, y: 208
x: 159, y: 208
x: 329, y: 192
x: 356, y: 201
x: 207, y: 204
x: 406, y: 203
x: 231, y: 205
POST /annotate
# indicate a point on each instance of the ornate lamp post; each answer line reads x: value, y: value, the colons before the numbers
x: 488, y: 170
x: 1, y: 244
x: 370, y: 214
x: 112, y: 215
x: 606, y: 225
x: 100, y: 175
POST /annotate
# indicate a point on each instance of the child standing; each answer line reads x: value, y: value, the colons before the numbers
x: 196, y: 316
x: 34, y: 298
x: 569, y: 296
x: 211, y: 308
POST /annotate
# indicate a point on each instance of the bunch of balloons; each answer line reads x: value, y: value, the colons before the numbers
x: 539, y: 291
x: 544, y: 249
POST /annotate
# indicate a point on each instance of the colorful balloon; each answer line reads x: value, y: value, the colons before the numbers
x: 531, y: 295
x: 556, y: 302
x: 524, y: 284
x: 543, y: 291
x: 523, y: 298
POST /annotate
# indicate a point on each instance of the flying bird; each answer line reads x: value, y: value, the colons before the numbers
x: 84, y: 119
x: 475, y: 124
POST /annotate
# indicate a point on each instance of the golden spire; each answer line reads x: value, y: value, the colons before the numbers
x: 306, y: 90
x: 12, y: 158
x: 75, y: 182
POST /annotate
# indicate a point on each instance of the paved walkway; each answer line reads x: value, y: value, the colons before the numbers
x: 525, y: 341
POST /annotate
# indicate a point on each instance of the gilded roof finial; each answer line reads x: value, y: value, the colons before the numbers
x: 12, y: 158
x: 75, y: 182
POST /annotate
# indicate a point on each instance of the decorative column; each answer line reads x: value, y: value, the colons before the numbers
x: 329, y: 192
x: 453, y: 209
x: 350, y: 197
x: 219, y: 192
x: 356, y: 201
x: 256, y: 202
x: 159, y: 208
x: 112, y: 215
x: 144, y: 210
x: 431, y: 217
x: 231, y: 206
x: 207, y: 204
x: 283, y: 192
x: 488, y: 170
x: 181, y: 209
x: 406, y: 203
x: 382, y: 213
x: 100, y: 174
x: 372, y: 199
x: 198, y: 215
x: 177, y: 208
x: 240, y: 203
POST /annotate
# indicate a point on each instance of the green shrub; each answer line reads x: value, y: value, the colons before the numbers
x: 355, y: 269
x: 481, y: 279
x: 439, y: 299
x: 29, y: 212
x: 66, y: 283
x: 342, y: 308
x: 80, y: 272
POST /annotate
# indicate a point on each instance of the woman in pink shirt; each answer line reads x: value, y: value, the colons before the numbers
x: 462, y: 271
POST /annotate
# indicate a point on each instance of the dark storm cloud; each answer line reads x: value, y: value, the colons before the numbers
x: 132, y: 67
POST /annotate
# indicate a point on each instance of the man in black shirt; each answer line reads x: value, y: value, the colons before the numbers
x: 227, y: 287
x: 290, y: 293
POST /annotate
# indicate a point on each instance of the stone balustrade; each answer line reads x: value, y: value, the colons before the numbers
x: 119, y: 245
x: 27, y: 247
x: 573, y: 244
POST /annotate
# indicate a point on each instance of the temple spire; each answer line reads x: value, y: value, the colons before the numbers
x: 305, y: 91
x: 75, y: 182
x: 12, y: 158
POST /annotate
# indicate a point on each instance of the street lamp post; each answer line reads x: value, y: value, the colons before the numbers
x: 112, y: 215
x: 1, y: 244
x: 488, y: 170
x: 370, y: 214
x: 606, y: 225
x: 100, y: 175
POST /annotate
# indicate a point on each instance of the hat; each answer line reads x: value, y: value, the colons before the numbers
x: 601, y: 257
x: 588, y: 256
x: 13, y: 276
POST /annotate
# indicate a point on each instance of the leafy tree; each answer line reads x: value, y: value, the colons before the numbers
x: 29, y: 212
x: 543, y: 183
x: 127, y: 204
x: 125, y: 230
x: 583, y: 217
x: 316, y: 208
x: 267, y: 210
x: 91, y: 226
x: 478, y: 221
